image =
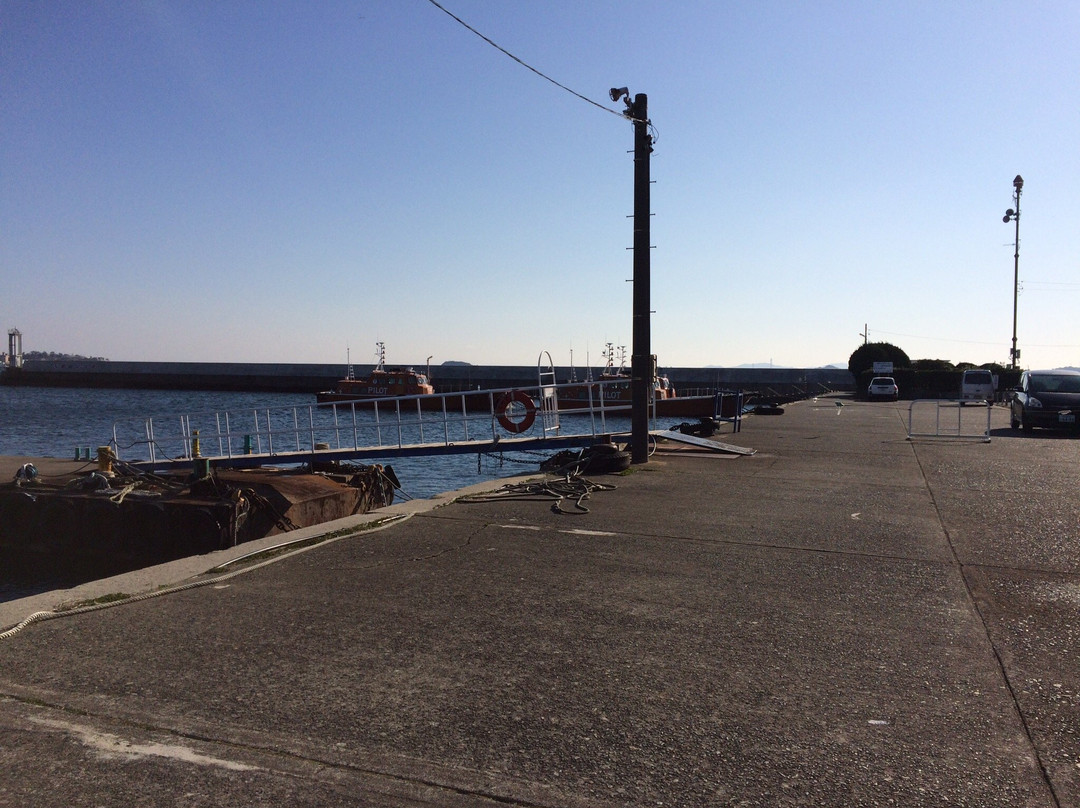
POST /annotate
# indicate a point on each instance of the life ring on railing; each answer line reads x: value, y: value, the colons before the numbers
x: 506, y: 405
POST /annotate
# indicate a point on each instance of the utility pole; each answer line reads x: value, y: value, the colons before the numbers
x: 642, y: 364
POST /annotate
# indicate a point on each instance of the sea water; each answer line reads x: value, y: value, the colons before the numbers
x: 58, y: 422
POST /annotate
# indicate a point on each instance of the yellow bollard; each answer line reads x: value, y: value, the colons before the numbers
x: 105, y: 458
x: 195, y: 443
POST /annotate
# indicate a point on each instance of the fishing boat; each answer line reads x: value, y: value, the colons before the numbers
x: 612, y: 390
x: 382, y: 382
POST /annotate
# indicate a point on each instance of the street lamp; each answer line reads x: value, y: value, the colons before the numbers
x: 1014, y: 216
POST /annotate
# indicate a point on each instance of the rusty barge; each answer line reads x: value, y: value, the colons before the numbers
x: 109, y: 517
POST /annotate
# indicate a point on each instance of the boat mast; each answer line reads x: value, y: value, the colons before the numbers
x: 609, y: 358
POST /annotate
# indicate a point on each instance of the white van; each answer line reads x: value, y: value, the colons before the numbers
x: 977, y: 385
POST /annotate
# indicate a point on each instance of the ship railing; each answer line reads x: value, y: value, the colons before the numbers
x: 415, y: 423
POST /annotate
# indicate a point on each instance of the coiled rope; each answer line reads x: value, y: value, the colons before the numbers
x: 571, y: 487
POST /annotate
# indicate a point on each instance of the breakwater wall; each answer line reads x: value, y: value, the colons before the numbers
x: 313, y: 378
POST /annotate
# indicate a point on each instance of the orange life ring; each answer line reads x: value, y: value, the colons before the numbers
x: 502, y: 411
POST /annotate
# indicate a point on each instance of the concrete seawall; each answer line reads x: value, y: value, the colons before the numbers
x: 313, y: 378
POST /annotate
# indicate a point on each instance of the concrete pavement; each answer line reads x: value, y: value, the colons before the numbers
x: 845, y: 618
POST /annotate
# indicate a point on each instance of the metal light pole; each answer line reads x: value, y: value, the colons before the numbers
x: 1010, y: 216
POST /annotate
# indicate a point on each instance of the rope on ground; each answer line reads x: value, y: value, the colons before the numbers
x: 127, y: 489
x: 574, y: 488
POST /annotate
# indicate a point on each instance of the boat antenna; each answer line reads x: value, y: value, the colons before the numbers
x: 381, y: 353
x: 348, y: 362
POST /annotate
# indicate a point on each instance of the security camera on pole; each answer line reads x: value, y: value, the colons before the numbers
x: 1010, y: 216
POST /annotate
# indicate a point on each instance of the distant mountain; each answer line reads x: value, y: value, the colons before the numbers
x: 55, y: 357
x: 834, y: 365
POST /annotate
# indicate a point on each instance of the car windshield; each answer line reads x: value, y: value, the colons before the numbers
x: 1054, y: 383
x: 883, y: 380
x: 979, y: 378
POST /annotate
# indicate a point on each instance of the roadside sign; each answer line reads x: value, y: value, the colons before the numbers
x: 883, y: 367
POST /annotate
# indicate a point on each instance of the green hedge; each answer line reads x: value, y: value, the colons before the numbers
x: 931, y: 383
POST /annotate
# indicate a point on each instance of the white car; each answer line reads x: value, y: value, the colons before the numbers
x: 977, y: 385
x: 883, y: 387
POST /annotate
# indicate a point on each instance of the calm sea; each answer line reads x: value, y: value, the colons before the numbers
x: 55, y: 422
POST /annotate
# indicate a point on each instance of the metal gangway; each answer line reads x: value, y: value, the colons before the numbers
x: 462, y: 422
x: 478, y: 421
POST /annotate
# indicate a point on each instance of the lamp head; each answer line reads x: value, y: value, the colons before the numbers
x: 618, y: 92
x: 1018, y: 183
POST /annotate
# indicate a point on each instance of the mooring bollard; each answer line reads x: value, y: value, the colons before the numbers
x: 105, y: 458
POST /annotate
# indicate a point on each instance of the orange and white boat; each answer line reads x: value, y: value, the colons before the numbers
x: 382, y: 382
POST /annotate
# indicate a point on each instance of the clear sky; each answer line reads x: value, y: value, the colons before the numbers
x: 278, y: 181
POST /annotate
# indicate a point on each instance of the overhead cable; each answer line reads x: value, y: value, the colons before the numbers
x: 526, y: 65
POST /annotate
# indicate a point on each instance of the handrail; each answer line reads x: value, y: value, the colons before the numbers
x: 419, y: 421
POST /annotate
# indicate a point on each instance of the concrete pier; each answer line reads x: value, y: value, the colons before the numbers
x: 845, y: 618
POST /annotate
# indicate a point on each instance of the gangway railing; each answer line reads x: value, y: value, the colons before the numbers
x: 548, y: 390
x: 933, y: 418
x: 441, y: 423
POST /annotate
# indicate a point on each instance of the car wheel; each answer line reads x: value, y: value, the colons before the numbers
x: 1013, y: 422
x: 1026, y: 426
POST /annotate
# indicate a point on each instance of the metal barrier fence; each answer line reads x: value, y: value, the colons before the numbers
x: 925, y: 419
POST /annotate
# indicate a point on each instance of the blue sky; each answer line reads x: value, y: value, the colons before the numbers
x: 278, y: 181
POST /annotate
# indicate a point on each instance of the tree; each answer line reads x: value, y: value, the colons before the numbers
x: 934, y: 364
x: 868, y: 353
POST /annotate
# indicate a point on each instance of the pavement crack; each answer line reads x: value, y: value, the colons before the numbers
x: 973, y: 601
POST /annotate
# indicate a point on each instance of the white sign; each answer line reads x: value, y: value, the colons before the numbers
x: 883, y: 367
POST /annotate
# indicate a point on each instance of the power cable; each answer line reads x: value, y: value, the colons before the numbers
x: 964, y: 341
x: 528, y: 66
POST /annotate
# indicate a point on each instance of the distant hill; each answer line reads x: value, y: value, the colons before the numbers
x: 61, y: 357
x: 835, y: 365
